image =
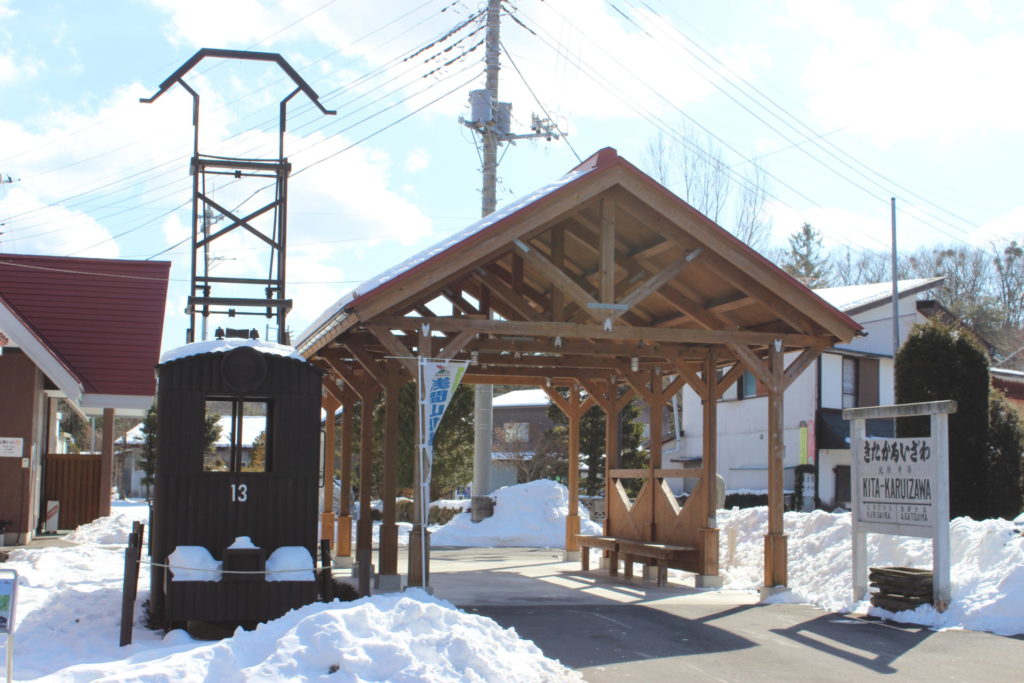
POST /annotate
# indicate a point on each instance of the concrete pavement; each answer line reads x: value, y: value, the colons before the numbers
x: 613, y: 630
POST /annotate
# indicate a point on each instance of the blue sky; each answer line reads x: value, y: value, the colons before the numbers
x: 843, y: 104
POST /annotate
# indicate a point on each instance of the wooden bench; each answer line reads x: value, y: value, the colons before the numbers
x: 662, y: 554
x: 603, y: 543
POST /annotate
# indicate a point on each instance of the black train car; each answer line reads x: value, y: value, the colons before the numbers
x: 264, y: 485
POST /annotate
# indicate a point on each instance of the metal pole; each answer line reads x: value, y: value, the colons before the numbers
x: 895, y: 292
x: 483, y: 394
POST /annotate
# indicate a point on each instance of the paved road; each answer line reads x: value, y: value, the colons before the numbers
x: 616, y: 631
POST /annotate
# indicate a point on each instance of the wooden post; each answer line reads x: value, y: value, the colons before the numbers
x: 612, y: 459
x: 775, y: 553
x: 132, y: 555
x: 364, y: 528
x: 654, y: 446
x: 388, y: 579
x: 106, y: 462
x: 343, y: 538
x: 572, y: 520
x: 709, y: 576
x: 330, y: 406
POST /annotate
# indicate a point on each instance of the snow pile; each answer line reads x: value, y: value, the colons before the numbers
x: 410, y: 636
x: 112, y: 530
x: 987, y: 571
x: 225, y: 345
x: 68, y: 619
x: 290, y: 563
x: 530, y: 515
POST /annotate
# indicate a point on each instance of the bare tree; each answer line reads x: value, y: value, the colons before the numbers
x: 534, y: 456
x: 753, y: 225
x: 707, y: 184
x: 1008, y: 259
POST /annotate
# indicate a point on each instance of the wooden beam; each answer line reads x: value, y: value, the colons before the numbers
x: 559, y: 279
x: 620, y: 333
x: 659, y: 280
x: 607, y: 246
x: 728, y: 379
x: 457, y: 344
x: 367, y: 362
x: 799, y: 364
x: 752, y: 363
x: 401, y: 353
x: 697, y: 383
x: 508, y: 296
x: 558, y: 260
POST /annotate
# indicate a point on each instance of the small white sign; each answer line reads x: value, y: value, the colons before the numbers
x: 11, y: 446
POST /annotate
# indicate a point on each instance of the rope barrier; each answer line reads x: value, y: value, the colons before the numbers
x: 230, y: 571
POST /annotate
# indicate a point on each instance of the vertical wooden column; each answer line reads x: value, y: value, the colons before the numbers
x: 572, y: 520
x: 330, y: 406
x: 573, y: 408
x: 775, y: 542
x: 343, y: 532
x: 709, y: 576
x: 388, y: 579
x: 612, y: 456
x: 364, y: 528
x: 106, y: 462
x: 656, y: 428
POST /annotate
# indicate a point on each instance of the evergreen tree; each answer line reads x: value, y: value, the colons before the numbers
x: 936, y: 364
x: 592, y: 430
x: 1003, y: 472
x: 148, y: 462
x: 805, y: 260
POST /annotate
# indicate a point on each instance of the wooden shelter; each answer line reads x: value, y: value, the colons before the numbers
x: 606, y: 285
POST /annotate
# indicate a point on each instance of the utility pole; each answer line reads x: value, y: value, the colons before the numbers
x: 491, y: 119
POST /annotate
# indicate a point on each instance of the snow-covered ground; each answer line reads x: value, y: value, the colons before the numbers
x: 69, y: 602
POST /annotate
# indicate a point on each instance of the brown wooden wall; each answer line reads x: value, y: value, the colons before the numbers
x: 74, y: 480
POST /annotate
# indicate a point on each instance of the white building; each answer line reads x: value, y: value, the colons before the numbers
x: 850, y: 375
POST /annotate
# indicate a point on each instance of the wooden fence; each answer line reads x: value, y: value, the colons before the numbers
x: 74, y: 480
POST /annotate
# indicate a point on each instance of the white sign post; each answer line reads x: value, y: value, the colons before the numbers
x: 901, y: 487
x: 8, y: 596
x: 437, y: 383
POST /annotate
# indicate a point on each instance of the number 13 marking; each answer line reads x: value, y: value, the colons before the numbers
x: 239, y: 493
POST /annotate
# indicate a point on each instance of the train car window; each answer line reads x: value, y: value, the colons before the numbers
x: 237, y: 435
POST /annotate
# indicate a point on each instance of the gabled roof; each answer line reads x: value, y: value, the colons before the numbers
x: 522, y: 398
x: 93, y: 326
x: 856, y: 299
x: 717, y: 283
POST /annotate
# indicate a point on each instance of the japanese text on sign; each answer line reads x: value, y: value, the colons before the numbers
x: 896, y: 482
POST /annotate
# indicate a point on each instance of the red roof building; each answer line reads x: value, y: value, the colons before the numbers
x: 85, y: 330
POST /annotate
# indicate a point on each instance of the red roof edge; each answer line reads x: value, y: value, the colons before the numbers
x: 598, y: 159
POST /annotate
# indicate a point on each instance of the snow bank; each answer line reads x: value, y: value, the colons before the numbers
x: 987, y: 566
x: 112, y: 530
x: 68, y: 620
x: 530, y: 515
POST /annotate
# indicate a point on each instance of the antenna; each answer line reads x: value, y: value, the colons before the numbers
x: 268, y: 223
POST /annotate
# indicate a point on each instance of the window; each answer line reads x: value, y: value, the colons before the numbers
x: 747, y: 385
x: 237, y: 435
x: 860, y: 382
x: 516, y: 432
x: 849, y: 382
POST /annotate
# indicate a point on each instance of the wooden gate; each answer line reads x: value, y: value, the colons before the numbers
x: 74, y: 480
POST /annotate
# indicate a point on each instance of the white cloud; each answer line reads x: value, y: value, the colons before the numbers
x: 921, y: 77
x: 1009, y: 226
x: 417, y: 160
x: 55, y: 230
x: 11, y: 70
